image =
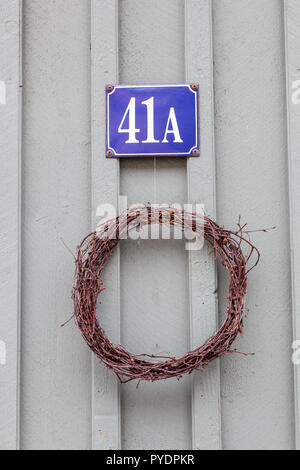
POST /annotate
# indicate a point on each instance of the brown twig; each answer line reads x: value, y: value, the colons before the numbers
x: 92, y: 255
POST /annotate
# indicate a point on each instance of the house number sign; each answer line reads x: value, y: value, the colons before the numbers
x: 154, y: 120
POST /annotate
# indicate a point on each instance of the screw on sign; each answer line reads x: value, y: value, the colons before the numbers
x: 154, y: 120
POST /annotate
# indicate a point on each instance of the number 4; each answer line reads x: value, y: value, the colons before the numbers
x: 131, y: 130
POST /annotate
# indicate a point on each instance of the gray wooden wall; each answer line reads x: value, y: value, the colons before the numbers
x: 244, y: 51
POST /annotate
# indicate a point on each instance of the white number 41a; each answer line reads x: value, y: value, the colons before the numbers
x: 171, y: 125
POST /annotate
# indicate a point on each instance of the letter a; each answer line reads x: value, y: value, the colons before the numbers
x: 174, y: 130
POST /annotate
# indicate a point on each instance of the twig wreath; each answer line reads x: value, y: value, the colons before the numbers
x: 96, y: 248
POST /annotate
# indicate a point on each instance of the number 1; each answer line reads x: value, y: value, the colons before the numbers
x: 150, y: 122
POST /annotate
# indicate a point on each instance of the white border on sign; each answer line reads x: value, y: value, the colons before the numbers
x: 151, y: 154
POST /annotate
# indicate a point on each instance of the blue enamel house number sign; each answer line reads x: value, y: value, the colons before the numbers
x: 154, y: 120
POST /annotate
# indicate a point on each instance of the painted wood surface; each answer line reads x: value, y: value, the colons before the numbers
x: 252, y: 180
x: 106, y: 425
x: 206, y: 411
x: 292, y: 44
x: 69, y: 401
x: 55, y: 362
x: 10, y: 213
x: 154, y: 273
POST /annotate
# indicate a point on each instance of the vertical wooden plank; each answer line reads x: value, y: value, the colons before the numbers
x: 251, y: 168
x: 105, y: 190
x: 10, y: 152
x: 154, y: 276
x: 292, y: 43
x: 55, y: 361
x: 206, y: 414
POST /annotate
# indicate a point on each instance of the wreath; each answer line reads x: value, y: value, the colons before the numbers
x: 97, y: 247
